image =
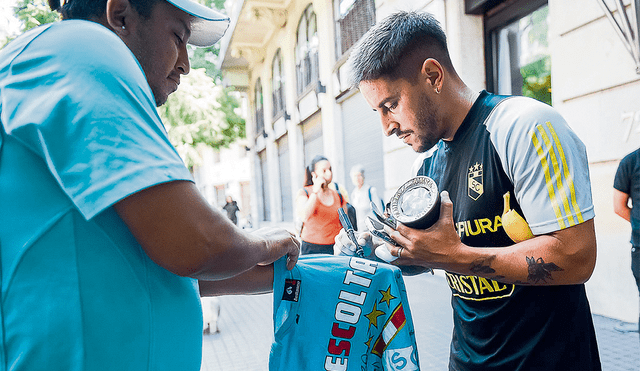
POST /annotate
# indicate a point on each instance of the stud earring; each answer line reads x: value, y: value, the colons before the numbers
x: 437, y: 90
x: 123, y: 27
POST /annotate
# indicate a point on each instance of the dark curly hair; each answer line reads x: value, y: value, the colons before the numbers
x: 89, y: 9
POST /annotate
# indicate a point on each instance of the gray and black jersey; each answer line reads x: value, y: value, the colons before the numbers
x: 521, y: 146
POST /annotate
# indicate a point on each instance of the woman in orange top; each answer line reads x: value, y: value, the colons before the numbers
x: 317, y: 207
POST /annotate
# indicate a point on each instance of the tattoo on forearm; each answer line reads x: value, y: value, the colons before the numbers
x: 482, y: 265
x: 539, y: 270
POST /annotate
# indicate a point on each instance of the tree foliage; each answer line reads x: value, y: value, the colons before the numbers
x: 200, y: 113
x: 33, y: 13
x: 536, y: 75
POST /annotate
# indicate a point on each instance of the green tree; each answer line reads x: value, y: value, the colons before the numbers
x: 33, y: 13
x: 536, y: 74
x: 200, y: 113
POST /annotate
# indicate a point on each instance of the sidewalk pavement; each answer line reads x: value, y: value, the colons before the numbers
x: 246, y: 331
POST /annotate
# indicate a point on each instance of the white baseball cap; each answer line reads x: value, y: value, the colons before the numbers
x: 209, y: 25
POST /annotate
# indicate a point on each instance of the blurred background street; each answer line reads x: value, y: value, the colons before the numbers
x: 246, y: 331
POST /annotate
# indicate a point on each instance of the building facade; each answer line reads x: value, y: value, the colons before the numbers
x: 581, y: 56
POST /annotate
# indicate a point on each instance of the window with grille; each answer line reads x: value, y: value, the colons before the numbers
x: 354, y: 18
x: 307, y: 73
x: 259, y: 119
x: 277, y: 86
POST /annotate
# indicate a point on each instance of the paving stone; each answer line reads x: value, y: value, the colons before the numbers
x: 246, y: 331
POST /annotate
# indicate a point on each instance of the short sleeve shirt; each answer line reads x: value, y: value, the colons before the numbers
x: 627, y: 180
x: 80, y: 132
x: 525, y: 147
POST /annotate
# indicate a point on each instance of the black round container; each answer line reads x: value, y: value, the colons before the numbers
x: 416, y: 203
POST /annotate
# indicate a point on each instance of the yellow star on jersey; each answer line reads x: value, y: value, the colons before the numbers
x: 373, y: 316
x: 386, y: 296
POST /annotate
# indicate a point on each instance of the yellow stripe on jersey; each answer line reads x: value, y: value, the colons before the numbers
x: 567, y: 174
x: 556, y: 170
x: 551, y: 148
x: 547, y: 177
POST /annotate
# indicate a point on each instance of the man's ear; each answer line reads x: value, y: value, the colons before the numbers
x: 433, y: 73
x: 119, y: 15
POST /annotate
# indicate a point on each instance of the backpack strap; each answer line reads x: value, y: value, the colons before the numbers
x: 339, y: 194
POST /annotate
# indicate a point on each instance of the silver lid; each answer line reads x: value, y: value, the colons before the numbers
x: 414, y: 199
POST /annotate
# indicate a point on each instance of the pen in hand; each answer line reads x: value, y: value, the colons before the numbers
x: 346, y: 224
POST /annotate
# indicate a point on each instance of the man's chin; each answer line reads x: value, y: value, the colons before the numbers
x: 422, y: 147
x: 160, y: 100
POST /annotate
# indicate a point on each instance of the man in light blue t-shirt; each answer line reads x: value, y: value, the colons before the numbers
x: 103, y: 234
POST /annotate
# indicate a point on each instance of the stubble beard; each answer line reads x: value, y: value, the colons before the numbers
x: 426, y: 121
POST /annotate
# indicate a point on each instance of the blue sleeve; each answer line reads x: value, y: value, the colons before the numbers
x: 77, y: 97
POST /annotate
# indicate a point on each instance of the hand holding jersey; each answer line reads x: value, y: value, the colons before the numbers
x: 279, y: 240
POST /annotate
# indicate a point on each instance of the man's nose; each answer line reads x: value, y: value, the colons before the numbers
x: 389, y: 125
x: 183, y: 64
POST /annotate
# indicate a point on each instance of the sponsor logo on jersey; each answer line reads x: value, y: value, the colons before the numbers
x: 478, y: 288
x: 474, y: 181
x: 291, y: 290
x: 478, y: 226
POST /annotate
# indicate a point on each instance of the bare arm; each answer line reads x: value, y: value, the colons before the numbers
x: 257, y: 280
x: 621, y: 204
x: 305, y: 205
x: 178, y: 229
x: 564, y: 257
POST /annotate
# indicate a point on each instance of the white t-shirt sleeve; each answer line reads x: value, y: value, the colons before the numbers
x: 546, y: 162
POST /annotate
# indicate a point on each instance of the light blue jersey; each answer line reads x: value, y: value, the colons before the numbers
x: 80, y: 132
x: 341, y: 313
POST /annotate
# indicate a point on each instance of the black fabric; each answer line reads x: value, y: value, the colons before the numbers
x: 635, y: 268
x: 350, y: 209
x: 232, y: 209
x: 627, y: 180
x: 312, y: 248
x: 501, y: 326
x: 635, y: 264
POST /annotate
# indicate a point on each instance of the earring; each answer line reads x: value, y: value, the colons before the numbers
x: 437, y: 90
x: 123, y: 27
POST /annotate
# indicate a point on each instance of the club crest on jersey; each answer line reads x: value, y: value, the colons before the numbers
x: 476, y: 187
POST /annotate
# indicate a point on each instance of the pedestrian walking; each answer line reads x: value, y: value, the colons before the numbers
x: 231, y: 207
x: 626, y: 189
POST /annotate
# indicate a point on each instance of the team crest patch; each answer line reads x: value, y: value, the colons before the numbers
x: 291, y: 290
x: 476, y: 187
